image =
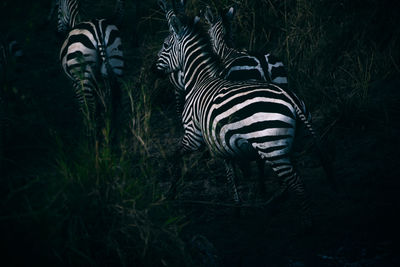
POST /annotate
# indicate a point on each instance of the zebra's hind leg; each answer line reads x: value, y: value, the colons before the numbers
x: 247, y: 171
x: 261, y: 177
x: 293, y: 183
x: 231, y: 176
x: 86, y: 106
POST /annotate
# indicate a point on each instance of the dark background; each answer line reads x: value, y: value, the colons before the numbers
x: 65, y: 200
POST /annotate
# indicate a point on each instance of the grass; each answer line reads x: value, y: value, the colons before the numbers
x: 98, y: 204
x: 111, y: 198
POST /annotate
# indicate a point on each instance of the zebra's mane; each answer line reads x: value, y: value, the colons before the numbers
x: 227, y: 24
x: 198, y: 29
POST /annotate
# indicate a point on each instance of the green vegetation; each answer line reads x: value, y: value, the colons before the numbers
x: 72, y: 200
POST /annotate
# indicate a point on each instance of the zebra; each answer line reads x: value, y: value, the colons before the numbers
x: 236, y: 120
x: 92, y: 51
x: 241, y: 65
x: 176, y: 78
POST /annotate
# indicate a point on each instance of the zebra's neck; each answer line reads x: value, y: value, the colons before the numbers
x: 228, y: 54
x: 199, y: 62
x: 225, y: 52
x: 220, y: 45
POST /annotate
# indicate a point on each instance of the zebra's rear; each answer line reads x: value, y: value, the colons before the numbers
x: 248, y: 120
x: 92, y: 58
x: 247, y: 117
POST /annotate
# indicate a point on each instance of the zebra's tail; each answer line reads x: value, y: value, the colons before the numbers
x: 324, y: 157
x: 305, y: 118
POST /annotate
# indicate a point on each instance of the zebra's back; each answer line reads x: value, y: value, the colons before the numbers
x: 96, y: 43
x: 236, y: 119
x: 244, y: 67
x: 92, y: 58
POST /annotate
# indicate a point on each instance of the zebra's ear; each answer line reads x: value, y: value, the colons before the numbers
x: 208, y: 15
x: 163, y: 5
x: 196, y: 20
x: 176, y: 26
x: 180, y: 7
x: 231, y: 13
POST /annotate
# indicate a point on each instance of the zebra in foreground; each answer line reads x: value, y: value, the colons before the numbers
x: 241, y: 65
x: 91, y: 52
x: 236, y: 120
x: 176, y: 78
x: 233, y: 70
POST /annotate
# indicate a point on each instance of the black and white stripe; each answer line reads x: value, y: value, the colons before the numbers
x: 241, y: 65
x: 92, y: 53
x: 176, y: 78
x: 236, y: 65
x: 236, y: 120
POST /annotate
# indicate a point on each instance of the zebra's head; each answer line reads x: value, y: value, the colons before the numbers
x: 168, y: 56
x: 220, y: 28
x: 165, y: 62
x: 185, y: 43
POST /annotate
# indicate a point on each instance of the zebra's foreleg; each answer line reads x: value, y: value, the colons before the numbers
x: 179, y: 100
x: 177, y: 162
x: 293, y: 183
x: 231, y: 176
x: 86, y: 105
x: 246, y: 169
